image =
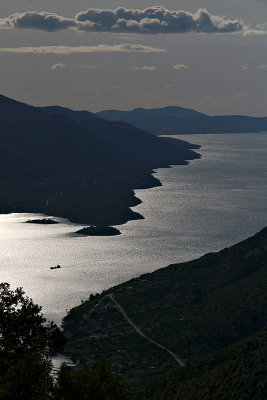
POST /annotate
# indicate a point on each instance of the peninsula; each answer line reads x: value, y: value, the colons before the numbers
x: 83, y: 168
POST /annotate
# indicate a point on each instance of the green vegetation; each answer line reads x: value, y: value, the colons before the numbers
x: 237, y: 372
x: 27, y: 342
x: 23, y: 327
x: 193, y: 308
x: 85, y: 384
x: 99, y: 231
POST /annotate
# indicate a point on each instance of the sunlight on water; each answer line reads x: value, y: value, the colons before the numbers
x: 204, y: 206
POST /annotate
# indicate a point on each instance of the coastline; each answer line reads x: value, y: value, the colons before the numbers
x: 108, y: 204
x: 144, y: 244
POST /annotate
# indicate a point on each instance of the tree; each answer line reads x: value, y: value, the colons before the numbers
x: 85, y: 384
x: 28, y: 378
x: 23, y: 327
x: 27, y: 342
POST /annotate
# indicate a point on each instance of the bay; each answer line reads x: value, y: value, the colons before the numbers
x: 205, y: 206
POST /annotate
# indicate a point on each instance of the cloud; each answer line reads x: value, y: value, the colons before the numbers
x: 259, y: 30
x: 101, y: 48
x: 58, y: 66
x: 144, y: 68
x: 37, y: 20
x: 118, y: 87
x: 84, y: 66
x: 241, y: 94
x: 62, y: 66
x: 254, y: 32
x: 151, y: 20
x: 180, y: 66
x: 155, y: 20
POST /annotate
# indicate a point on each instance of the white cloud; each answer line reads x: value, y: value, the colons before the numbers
x: 144, y: 68
x: 259, y: 30
x: 58, y: 66
x: 254, y: 32
x: 151, y: 20
x: 101, y: 48
x: 180, y: 66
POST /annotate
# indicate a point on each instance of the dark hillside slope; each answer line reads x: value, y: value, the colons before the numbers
x: 81, y: 117
x: 199, y: 306
x: 237, y: 372
x: 52, y: 164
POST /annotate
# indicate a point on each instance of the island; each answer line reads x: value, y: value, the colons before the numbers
x: 99, y: 231
x: 44, y: 221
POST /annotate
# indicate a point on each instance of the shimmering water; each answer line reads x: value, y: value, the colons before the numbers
x: 204, y: 206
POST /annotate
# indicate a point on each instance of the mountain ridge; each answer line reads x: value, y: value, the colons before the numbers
x: 169, y: 111
x: 179, y: 120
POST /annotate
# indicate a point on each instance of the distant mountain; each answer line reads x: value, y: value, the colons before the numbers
x: 193, y: 309
x: 168, y: 120
x: 76, y: 165
x: 142, y: 113
x: 178, y: 120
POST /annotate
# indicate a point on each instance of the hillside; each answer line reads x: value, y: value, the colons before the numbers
x: 53, y: 162
x: 177, y: 120
x: 193, y: 309
x: 236, y: 372
x: 81, y: 117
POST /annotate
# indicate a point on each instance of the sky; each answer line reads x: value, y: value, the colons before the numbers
x: 208, y: 55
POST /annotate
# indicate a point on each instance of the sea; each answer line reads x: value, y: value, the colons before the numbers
x: 211, y: 203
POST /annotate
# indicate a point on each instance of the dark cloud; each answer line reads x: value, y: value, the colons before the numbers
x: 155, y: 20
x: 37, y: 20
x: 151, y: 20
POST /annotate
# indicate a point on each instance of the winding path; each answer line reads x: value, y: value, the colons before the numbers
x: 138, y: 330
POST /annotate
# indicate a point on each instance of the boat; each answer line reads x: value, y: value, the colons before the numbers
x: 56, y: 267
